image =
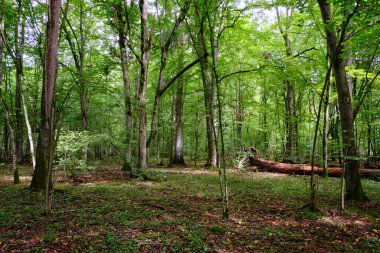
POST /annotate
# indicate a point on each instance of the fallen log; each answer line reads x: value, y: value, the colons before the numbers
x: 305, y: 169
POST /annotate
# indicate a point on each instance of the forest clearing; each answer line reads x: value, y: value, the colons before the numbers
x: 189, y: 126
x: 178, y: 210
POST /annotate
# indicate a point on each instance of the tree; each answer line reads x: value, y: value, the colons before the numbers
x: 78, y: 50
x: 122, y: 25
x: 178, y: 155
x: 19, y: 45
x: 354, y: 189
x: 289, y: 97
x: 45, y: 147
x: 146, y: 38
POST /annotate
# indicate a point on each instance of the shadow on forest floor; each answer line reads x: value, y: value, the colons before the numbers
x: 179, y: 210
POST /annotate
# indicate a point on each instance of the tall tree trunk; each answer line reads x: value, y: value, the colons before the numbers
x: 289, y: 97
x: 82, y: 81
x: 178, y: 156
x: 354, y: 188
x: 265, y: 120
x: 29, y: 130
x: 164, y: 52
x: 127, y: 93
x: 209, y: 92
x: 5, y: 152
x: 20, y: 31
x: 239, y: 116
x: 212, y: 160
x: 146, y: 43
x: 326, y: 130
x: 197, y: 135
x: 41, y: 176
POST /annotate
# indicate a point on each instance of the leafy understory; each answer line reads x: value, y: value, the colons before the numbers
x: 180, y: 211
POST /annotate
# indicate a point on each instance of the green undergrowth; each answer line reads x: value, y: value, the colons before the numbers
x: 171, y: 211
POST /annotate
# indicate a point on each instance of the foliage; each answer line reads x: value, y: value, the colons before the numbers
x: 70, y: 150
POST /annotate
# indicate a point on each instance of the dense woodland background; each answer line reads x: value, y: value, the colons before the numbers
x: 191, y: 81
x: 100, y: 92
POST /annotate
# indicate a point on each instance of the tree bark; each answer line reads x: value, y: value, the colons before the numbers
x: 29, y: 130
x: 289, y: 97
x: 83, y: 89
x: 178, y: 156
x: 354, y: 188
x: 127, y: 91
x: 304, y: 169
x: 163, y: 62
x: 20, y: 31
x: 239, y: 116
x: 45, y: 146
x: 146, y: 43
x: 325, y: 139
x: 209, y: 93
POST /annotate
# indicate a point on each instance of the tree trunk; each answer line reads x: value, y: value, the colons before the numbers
x: 208, y: 100
x: 45, y: 145
x: 30, y: 133
x: 326, y: 129
x: 178, y: 156
x: 82, y: 81
x: 164, y: 51
x: 146, y: 43
x: 209, y: 92
x: 127, y: 95
x: 304, y: 169
x: 20, y: 31
x: 289, y: 121
x: 239, y: 116
x: 289, y: 97
x: 354, y: 188
x: 197, y: 134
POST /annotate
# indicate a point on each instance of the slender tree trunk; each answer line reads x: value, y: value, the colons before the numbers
x: 265, y: 120
x: 82, y: 81
x: 163, y: 62
x: 20, y: 31
x: 127, y: 96
x: 16, y: 178
x: 353, y: 187
x: 369, y: 143
x: 5, y: 152
x: 146, y: 43
x: 326, y: 129
x: 29, y: 130
x: 239, y: 116
x: 178, y: 156
x: 212, y: 160
x: 197, y: 134
x: 289, y: 97
x: 42, y: 176
x: 289, y: 121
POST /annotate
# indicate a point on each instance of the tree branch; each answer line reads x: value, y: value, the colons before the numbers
x: 179, y: 74
x: 242, y: 71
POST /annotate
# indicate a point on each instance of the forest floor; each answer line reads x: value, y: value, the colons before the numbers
x: 179, y: 210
